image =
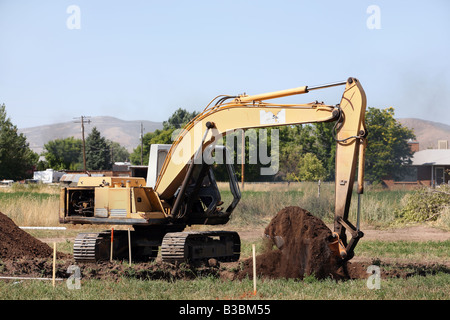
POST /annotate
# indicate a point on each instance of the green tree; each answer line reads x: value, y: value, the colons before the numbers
x: 298, y: 135
x: 176, y: 121
x: 310, y: 168
x: 294, y: 142
x: 98, y: 156
x: 326, y: 147
x: 63, y: 154
x: 289, y: 160
x: 16, y: 157
x: 387, y: 150
x: 156, y: 137
x: 179, y: 119
x: 258, y: 162
x: 118, y: 152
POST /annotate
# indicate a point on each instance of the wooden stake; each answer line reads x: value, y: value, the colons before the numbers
x: 112, y: 240
x: 54, y: 264
x: 254, y: 268
x: 129, y: 245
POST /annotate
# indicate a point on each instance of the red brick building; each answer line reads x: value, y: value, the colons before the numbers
x: 430, y: 167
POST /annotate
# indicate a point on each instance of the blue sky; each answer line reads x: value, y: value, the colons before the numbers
x: 141, y: 60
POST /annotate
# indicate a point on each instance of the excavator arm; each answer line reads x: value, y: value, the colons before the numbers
x: 244, y: 112
x: 350, y: 154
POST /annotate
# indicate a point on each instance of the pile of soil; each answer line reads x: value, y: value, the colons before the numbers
x: 16, y: 243
x: 302, y: 241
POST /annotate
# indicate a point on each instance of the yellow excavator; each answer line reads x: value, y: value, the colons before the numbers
x: 181, y: 190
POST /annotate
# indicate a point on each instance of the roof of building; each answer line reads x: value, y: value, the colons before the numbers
x: 431, y: 157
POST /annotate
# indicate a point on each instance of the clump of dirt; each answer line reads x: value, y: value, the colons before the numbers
x: 302, y: 241
x: 16, y: 243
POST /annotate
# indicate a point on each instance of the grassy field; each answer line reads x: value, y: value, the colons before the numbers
x: 261, y: 201
x: 429, y: 284
x: 39, y: 207
x: 32, y: 205
x: 435, y: 287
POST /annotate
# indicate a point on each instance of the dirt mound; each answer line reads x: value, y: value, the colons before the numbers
x: 302, y: 241
x: 16, y: 243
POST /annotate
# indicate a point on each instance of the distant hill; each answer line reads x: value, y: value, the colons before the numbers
x: 427, y: 132
x: 127, y: 133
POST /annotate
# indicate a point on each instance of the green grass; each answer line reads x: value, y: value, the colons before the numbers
x: 31, y: 205
x: 258, y: 207
x: 434, y: 284
x: 209, y: 288
x: 38, y: 205
x: 409, y: 250
x: 23, y: 196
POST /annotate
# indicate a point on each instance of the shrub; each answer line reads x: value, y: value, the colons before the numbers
x: 424, y: 204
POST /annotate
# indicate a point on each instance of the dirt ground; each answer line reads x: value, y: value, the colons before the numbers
x: 413, y: 233
x: 23, y: 255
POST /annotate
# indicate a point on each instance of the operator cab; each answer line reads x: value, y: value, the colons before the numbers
x: 202, y: 202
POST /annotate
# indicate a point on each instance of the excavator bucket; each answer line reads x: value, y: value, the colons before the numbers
x: 337, y: 247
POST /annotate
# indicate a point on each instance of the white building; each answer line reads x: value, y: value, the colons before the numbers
x: 47, y: 176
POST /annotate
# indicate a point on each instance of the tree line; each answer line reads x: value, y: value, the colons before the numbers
x: 67, y: 154
x: 305, y: 152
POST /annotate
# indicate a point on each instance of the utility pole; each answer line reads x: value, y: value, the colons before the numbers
x: 142, y: 144
x: 111, y: 149
x: 242, y: 159
x: 83, y: 120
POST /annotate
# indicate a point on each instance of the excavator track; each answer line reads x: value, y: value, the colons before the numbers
x: 87, y: 246
x: 93, y: 247
x: 179, y: 247
x: 175, y: 246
